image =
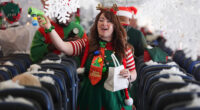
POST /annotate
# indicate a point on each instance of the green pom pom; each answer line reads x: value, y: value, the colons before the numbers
x: 104, y: 69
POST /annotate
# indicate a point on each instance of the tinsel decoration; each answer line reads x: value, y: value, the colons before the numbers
x: 11, y: 11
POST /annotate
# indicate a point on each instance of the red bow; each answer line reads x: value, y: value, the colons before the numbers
x: 112, y: 10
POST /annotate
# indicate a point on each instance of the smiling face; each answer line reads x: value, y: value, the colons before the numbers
x: 105, y: 28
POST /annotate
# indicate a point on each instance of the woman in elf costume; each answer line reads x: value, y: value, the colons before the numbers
x: 42, y: 44
x: 106, y: 36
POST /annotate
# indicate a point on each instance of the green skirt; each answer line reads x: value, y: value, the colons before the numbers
x: 98, y: 98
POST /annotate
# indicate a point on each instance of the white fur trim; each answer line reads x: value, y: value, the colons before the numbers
x: 151, y: 38
x: 149, y: 47
x: 21, y: 52
x: 171, y: 71
x: 124, y: 13
x: 194, y: 102
x: 171, y: 79
x: 51, y: 61
x: 48, y: 71
x: 8, y: 63
x: 9, y: 84
x: 80, y: 70
x: 189, y: 88
x: 47, y: 79
x: 156, y: 63
x: 4, y: 69
x: 17, y: 99
x: 34, y: 68
x: 129, y: 101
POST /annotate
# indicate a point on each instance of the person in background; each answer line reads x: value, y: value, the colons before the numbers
x: 107, y: 36
x: 133, y: 23
x: 135, y: 37
x: 42, y: 44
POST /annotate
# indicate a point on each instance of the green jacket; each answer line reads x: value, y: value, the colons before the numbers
x: 137, y: 40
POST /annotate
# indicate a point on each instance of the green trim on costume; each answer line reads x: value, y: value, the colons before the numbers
x: 50, y: 29
x: 102, y: 44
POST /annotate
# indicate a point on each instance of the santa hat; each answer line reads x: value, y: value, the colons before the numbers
x: 127, y: 11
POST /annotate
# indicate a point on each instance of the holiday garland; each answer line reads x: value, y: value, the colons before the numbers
x: 11, y: 11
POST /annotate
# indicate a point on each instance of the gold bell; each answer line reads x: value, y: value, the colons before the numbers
x: 100, y: 60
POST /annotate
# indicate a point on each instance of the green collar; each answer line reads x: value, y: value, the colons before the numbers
x: 102, y: 44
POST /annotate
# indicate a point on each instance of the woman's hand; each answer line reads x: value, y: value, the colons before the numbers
x: 125, y: 73
x: 130, y: 75
x: 44, y: 22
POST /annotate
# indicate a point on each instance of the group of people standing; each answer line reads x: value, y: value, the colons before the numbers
x: 110, y: 33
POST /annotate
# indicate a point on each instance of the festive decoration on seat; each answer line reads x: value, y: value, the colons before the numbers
x: 61, y: 9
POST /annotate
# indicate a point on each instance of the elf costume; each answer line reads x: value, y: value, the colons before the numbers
x: 136, y: 38
x: 93, y: 95
x: 41, y: 40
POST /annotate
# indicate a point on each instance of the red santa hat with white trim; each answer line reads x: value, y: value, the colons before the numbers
x: 127, y: 11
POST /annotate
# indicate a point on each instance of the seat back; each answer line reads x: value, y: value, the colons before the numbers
x: 40, y: 95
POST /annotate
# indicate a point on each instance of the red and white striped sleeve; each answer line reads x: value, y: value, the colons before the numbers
x: 78, y: 45
x: 130, y: 62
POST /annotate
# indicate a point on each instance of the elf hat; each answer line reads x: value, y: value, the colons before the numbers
x: 127, y: 11
x: 134, y: 10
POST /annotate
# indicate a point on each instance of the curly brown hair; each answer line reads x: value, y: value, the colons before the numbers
x: 119, y: 40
